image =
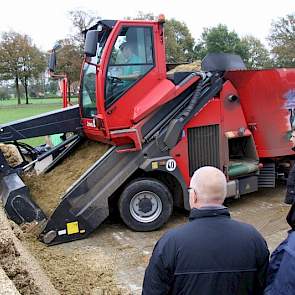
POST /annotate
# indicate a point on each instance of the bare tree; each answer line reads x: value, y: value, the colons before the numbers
x: 81, y: 20
x: 71, y: 53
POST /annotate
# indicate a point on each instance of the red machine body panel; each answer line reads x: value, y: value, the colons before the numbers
x: 232, y: 116
x: 268, y: 102
x: 208, y: 115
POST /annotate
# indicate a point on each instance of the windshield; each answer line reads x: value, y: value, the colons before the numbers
x: 88, y: 93
x: 87, y: 87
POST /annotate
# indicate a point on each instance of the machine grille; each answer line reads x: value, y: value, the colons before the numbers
x: 203, y: 147
x: 267, y: 175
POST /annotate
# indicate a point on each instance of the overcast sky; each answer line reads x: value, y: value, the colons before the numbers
x: 48, y: 21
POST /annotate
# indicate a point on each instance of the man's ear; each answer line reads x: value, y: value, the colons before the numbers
x: 195, y: 198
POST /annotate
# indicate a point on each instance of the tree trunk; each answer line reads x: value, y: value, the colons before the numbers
x: 26, y: 90
x: 17, y: 90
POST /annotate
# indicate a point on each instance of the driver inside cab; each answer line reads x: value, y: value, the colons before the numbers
x: 125, y: 71
x: 130, y: 60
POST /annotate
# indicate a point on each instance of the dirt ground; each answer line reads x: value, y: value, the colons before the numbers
x: 113, y: 259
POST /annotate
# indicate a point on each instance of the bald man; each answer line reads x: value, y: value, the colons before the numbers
x: 212, y: 254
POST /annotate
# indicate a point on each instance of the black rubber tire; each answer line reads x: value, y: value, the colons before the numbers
x: 145, y: 184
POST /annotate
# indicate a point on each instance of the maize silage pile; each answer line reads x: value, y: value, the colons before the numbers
x: 28, y: 267
x: 11, y: 154
x: 20, y: 272
x: 192, y: 67
x: 74, y: 269
x: 47, y: 189
x: 63, y: 266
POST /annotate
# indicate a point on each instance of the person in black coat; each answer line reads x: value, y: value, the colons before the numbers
x: 212, y: 254
x: 290, y: 195
x: 281, y: 271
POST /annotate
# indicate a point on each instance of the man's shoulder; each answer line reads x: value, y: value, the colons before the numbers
x: 245, y: 226
x: 235, y: 226
x: 248, y: 232
x: 135, y: 59
x: 175, y: 234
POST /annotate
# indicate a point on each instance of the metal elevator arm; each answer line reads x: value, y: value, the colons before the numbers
x: 59, y: 121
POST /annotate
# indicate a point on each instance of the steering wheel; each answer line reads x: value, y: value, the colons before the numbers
x: 115, y: 80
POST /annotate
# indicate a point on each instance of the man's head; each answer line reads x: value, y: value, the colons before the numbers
x: 292, y: 138
x: 208, y: 187
x: 126, y: 49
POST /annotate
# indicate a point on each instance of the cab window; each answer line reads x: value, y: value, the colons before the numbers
x: 88, y: 91
x: 131, y: 59
x: 88, y: 81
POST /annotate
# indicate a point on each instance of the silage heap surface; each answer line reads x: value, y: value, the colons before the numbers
x: 191, y: 67
x: 48, y: 189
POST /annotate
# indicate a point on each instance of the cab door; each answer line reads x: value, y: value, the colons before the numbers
x: 130, y: 74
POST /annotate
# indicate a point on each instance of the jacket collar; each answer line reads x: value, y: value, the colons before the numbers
x: 208, y: 212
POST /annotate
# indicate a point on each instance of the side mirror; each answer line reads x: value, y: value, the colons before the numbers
x: 52, y: 61
x: 91, y: 43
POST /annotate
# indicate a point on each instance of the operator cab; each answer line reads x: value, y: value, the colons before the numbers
x: 124, y: 61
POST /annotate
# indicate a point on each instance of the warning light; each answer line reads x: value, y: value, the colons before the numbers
x: 161, y: 18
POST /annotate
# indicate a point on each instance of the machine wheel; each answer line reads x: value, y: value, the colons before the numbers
x: 145, y: 204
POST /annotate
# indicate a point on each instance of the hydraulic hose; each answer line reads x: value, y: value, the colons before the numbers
x: 206, y: 88
x: 187, y: 111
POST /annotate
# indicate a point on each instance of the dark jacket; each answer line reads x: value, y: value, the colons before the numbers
x: 290, y: 194
x: 210, y: 255
x: 281, y: 271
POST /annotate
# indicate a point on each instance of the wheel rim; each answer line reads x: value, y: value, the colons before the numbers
x: 145, y: 206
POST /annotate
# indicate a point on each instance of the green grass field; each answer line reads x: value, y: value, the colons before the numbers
x: 15, y: 113
x: 34, y: 101
x: 11, y: 112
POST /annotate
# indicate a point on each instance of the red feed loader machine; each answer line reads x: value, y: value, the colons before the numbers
x: 161, y: 127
